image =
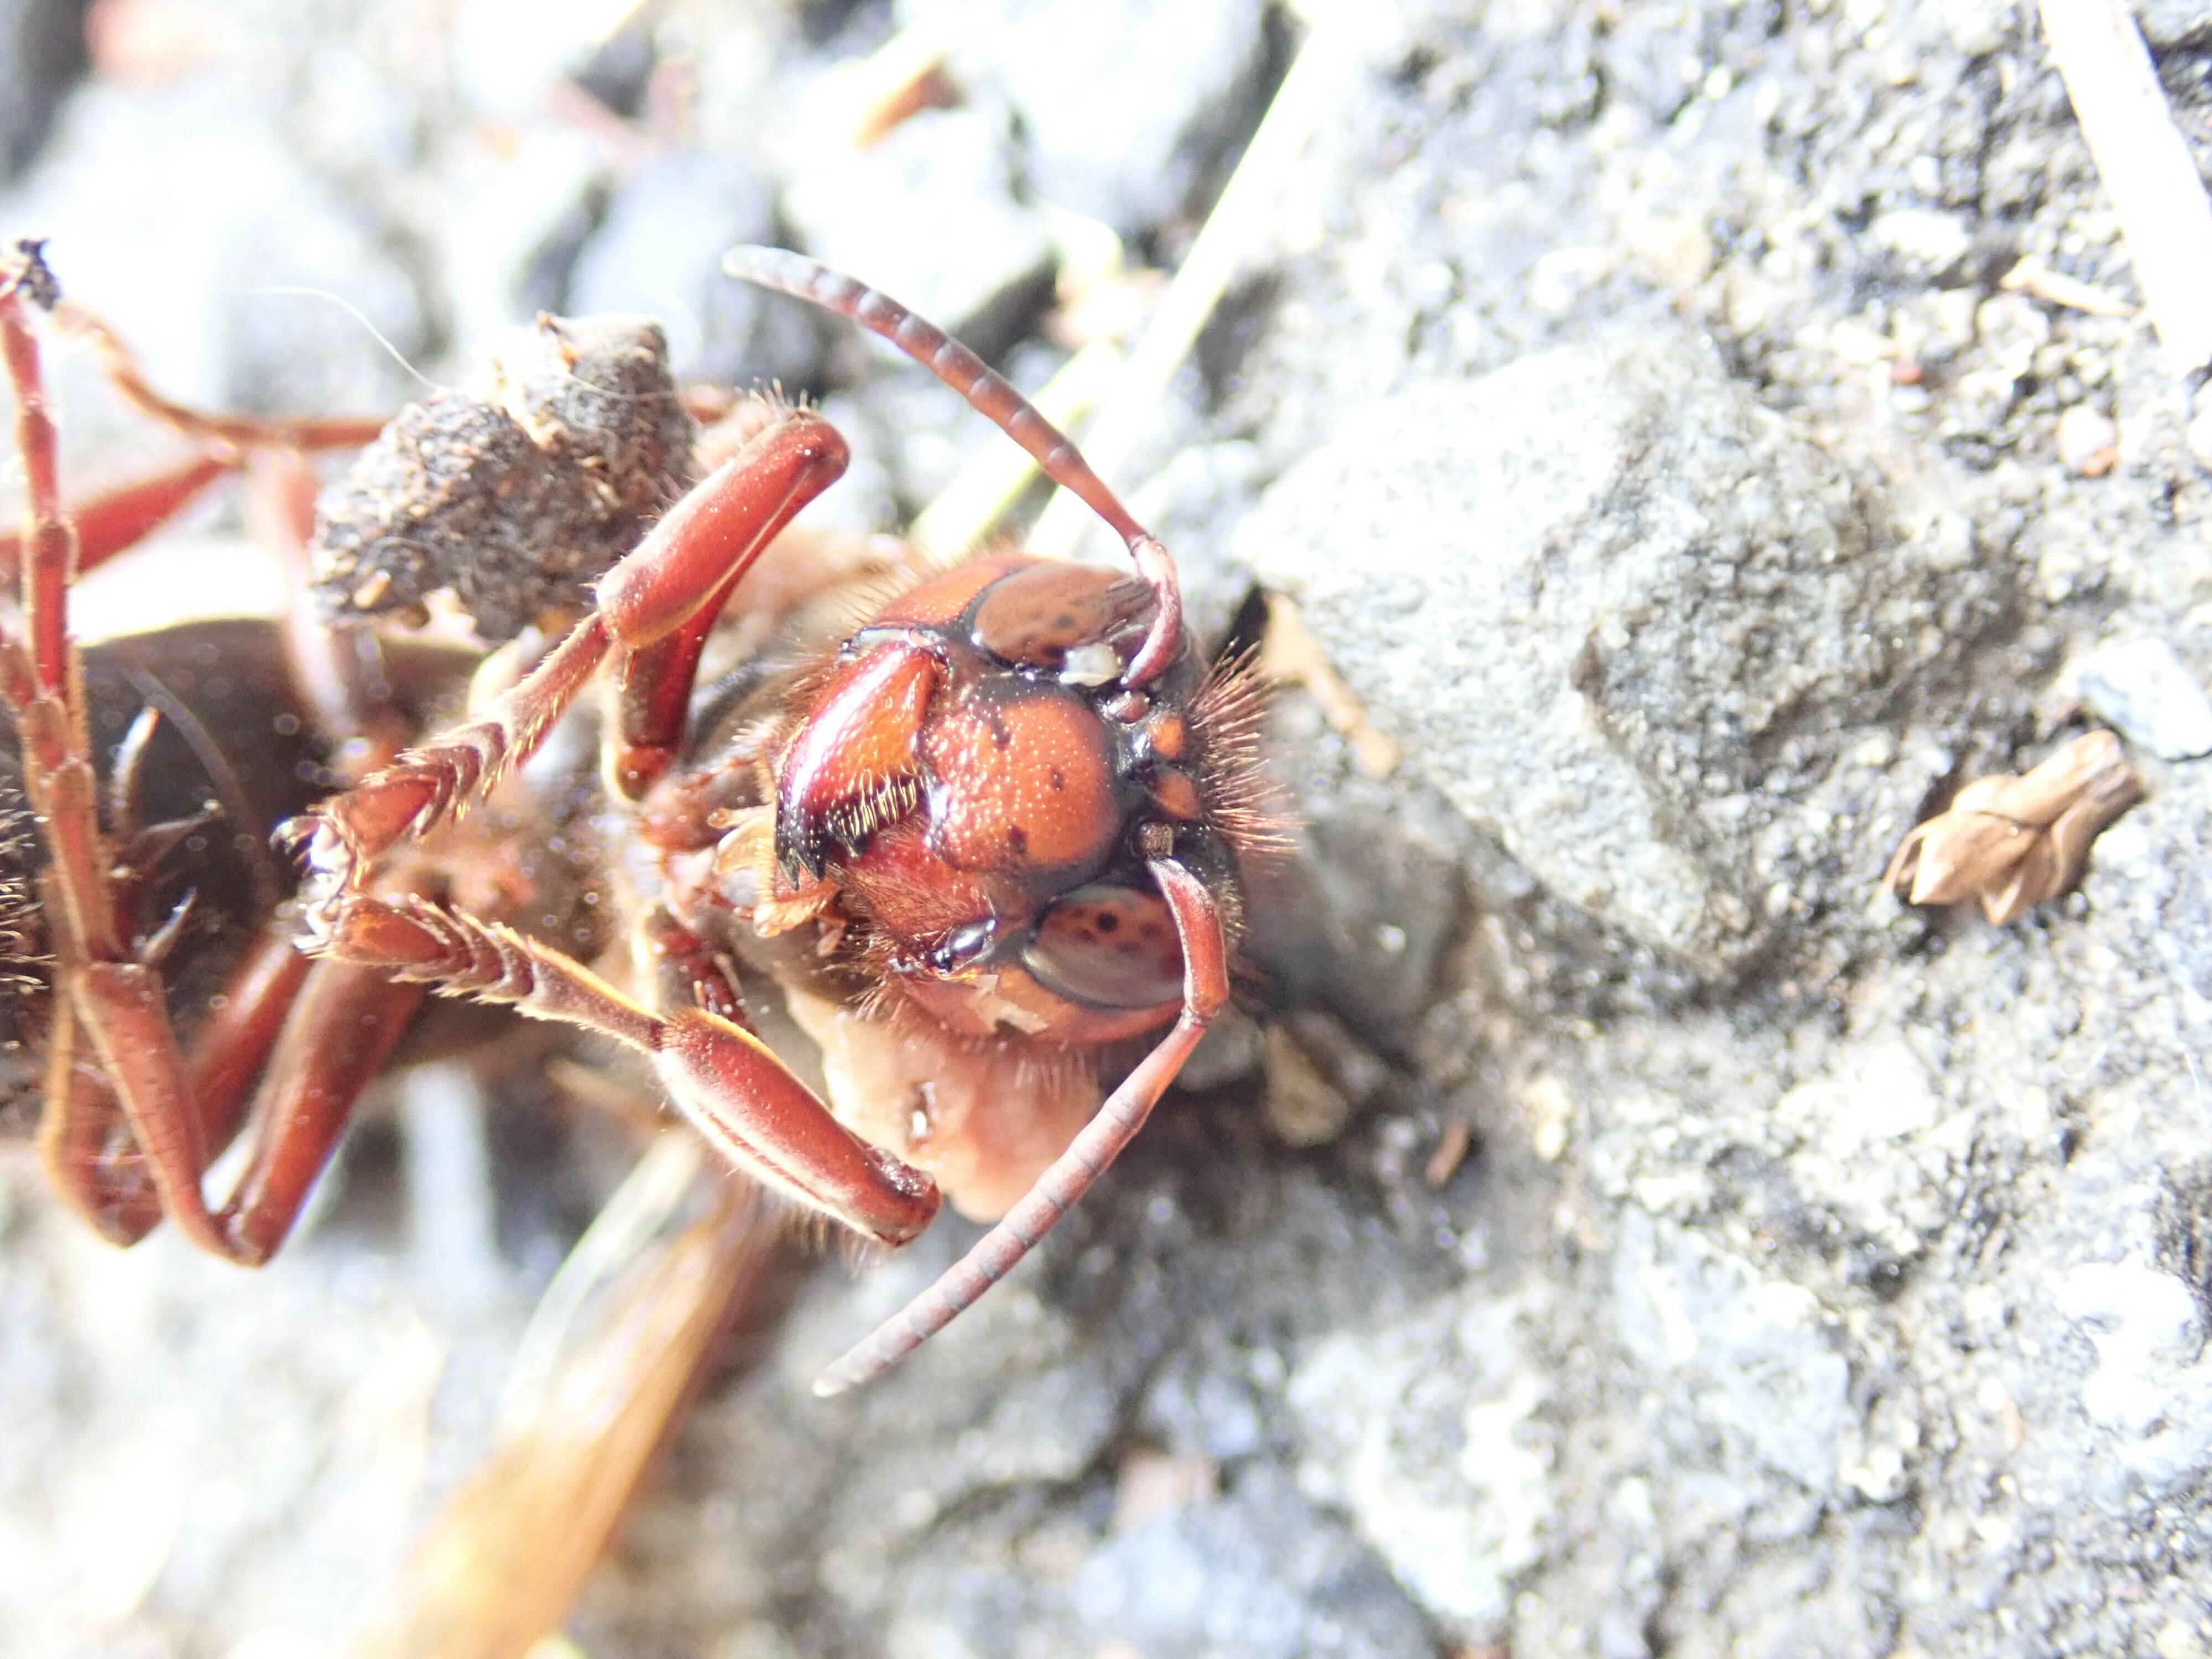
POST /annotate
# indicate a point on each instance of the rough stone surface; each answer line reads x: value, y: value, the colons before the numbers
x: 1835, y: 1288
x: 219, y: 268
x: 1629, y: 620
x: 2141, y: 688
x: 2171, y: 24
x: 658, y: 251
x: 1125, y: 112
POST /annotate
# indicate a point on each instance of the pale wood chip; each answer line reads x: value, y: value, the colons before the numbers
x: 1290, y: 655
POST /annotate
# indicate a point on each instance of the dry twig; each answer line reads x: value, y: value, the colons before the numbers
x: 2145, y: 164
x: 1232, y: 230
x: 1290, y: 655
x: 2056, y: 288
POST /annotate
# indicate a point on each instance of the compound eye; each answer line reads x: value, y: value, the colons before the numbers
x: 1111, y: 946
x: 1036, y: 617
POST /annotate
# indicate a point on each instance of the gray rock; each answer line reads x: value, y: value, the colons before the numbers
x: 2141, y: 688
x: 929, y: 216
x: 1977, y: 27
x: 1925, y: 242
x: 2150, y: 1390
x: 924, y: 432
x: 41, y: 54
x: 1257, y: 1575
x: 2198, y: 435
x: 1765, y: 1365
x: 1428, y: 1434
x: 1125, y: 111
x: 270, y: 290
x: 1193, y: 503
x: 509, y: 224
x: 658, y: 251
x: 1620, y: 614
x: 2171, y: 24
x: 965, y: 1505
x: 1361, y: 920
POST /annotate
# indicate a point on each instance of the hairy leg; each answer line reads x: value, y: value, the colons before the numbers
x: 732, y: 1087
x: 686, y: 563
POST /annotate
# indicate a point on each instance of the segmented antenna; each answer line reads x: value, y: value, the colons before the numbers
x: 991, y: 395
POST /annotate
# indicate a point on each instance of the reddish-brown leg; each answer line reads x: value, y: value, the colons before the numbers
x: 85, y: 1144
x: 235, y: 435
x: 114, y: 520
x: 331, y: 1026
x: 111, y: 1004
x: 116, y: 1003
x: 681, y: 970
x: 119, y: 519
x: 84, y: 1138
x: 653, y: 702
x: 688, y: 560
x: 1205, y: 990
x: 341, y: 1030
x: 731, y: 1086
x: 654, y: 610
x: 235, y: 1042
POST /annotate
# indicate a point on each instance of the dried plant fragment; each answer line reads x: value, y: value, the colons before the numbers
x: 520, y: 492
x: 2144, y: 160
x: 2013, y: 842
x: 1290, y: 655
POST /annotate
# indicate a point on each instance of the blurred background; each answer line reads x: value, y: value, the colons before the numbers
x: 292, y: 208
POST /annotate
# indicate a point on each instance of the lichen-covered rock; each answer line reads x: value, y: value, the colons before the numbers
x: 516, y: 496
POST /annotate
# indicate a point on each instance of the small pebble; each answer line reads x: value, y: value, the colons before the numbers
x: 2088, y: 443
x: 1922, y: 238
x: 2141, y: 688
x: 1976, y: 28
